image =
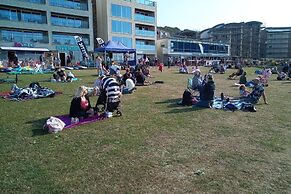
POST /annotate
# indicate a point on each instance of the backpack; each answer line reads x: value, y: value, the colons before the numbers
x: 248, y: 107
x: 187, y: 98
x: 231, y: 107
x: 54, y: 125
x: 35, y: 85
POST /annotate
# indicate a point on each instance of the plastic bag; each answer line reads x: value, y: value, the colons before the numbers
x: 54, y: 125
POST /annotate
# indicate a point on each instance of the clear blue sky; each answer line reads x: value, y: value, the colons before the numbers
x: 202, y: 14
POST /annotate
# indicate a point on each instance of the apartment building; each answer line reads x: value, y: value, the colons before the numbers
x: 188, y: 48
x: 132, y: 22
x: 277, y: 43
x: 243, y: 38
x: 31, y: 27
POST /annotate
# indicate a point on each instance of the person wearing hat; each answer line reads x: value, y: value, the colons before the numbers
x: 257, y: 92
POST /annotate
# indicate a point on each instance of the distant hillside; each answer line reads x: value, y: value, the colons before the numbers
x: 176, y: 32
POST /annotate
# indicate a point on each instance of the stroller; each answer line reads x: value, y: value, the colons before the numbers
x: 105, y: 104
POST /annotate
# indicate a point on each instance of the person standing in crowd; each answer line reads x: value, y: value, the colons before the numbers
x: 69, y: 60
x: 170, y: 60
x: 98, y: 65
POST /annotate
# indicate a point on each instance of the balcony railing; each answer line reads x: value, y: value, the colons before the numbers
x: 34, y: 1
x: 146, y: 33
x: 69, y: 4
x: 144, y: 18
x: 146, y: 47
x: 146, y: 2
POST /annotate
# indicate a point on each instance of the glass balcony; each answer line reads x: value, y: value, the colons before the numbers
x: 69, y: 4
x: 34, y: 1
x: 74, y: 23
x: 144, y: 18
x: 146, y: 47
x: 146, y: 2
x: 146, y: 33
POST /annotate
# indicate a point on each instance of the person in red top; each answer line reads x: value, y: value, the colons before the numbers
x: 80, y: 104
x: 161, y: 65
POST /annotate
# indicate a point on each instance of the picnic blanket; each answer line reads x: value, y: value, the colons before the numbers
x: 67, y: 120
x: 34, y: 91
x: 233, y: 105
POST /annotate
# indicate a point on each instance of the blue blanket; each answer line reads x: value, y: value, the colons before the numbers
x: 233, y: 105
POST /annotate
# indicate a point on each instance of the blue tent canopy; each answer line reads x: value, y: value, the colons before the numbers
x: 115, y: 47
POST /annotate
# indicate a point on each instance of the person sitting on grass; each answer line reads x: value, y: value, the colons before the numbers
x: 140, y: 78
x: 257, y: 92
x: 125, y: 76
x: 196, y: 80
x: 70, y: 77
x: 207, y: 92
x: 80, y: 104
x: 183, y: 69
x: 282, y: 76
x: 243, y: 78
x: 129, y: 86
x: 243, y: 92
x: 239, y: 72
x: 59, y: 75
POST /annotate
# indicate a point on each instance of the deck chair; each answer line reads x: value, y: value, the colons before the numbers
x: 195, y: 92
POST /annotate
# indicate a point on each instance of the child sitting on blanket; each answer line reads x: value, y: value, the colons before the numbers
x: 80, y: 104
x: 243, y: 92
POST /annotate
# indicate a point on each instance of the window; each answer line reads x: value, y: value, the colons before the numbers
x: 35, y: 1
x: 120, y: 11
x: 71, y: 4
x: 23, y: 36
x: 22, y: 15
x: 69, y: 21
x: 126, y: 41
x: 68, y: 39
x: 121, y: 27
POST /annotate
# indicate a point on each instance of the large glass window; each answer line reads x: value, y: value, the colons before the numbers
x: 144, y: 18
x: 126, y: 41
x: 145, y: 45
x: 23, y: 36
x: 69, y: 21
x: 22, y: 15
x: 146, y: 2
x: 121, y: 27
x: 71, y: 4
x: 144, y: 31
x: 120, y: 11
x: 68, y: 39
x: 8, y: 14
x: 35, y: 1
x: 178, y: 46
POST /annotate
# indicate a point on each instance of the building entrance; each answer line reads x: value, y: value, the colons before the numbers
x: 63, y: 59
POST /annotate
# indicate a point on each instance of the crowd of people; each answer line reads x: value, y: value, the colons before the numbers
x: 109, y: 86
x: 205, y: 86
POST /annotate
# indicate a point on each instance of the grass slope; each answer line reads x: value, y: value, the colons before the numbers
x: 155, y: 147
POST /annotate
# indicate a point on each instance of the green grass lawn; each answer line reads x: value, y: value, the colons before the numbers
x: 155, y: 147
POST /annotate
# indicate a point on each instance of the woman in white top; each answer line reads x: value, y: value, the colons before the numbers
x: 129, y: 86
